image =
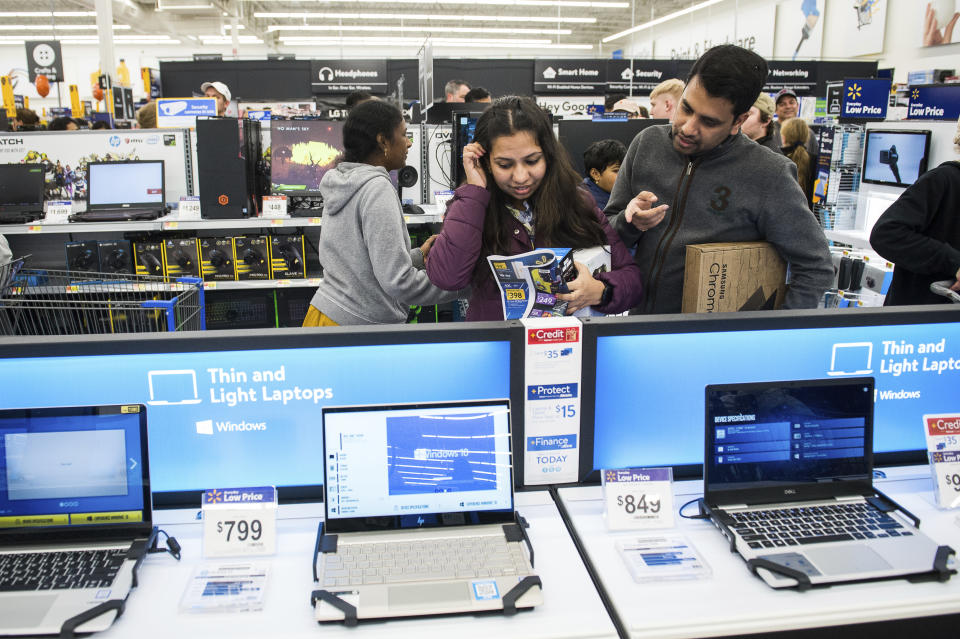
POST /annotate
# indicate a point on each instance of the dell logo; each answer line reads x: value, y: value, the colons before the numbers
x: 790, y: 491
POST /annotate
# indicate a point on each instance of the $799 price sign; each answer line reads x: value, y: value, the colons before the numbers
x: 239, y: 521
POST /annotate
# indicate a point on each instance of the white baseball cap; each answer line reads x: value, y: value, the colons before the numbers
x: 219, y: 87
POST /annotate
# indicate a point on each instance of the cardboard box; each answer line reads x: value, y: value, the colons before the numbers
x: 83, y: 256
x: 252, y: 257
x: 116, y: 256
x: 216, y: 259
x: 286, y: 257
x: 181, y: 257
x: 733, y: 276
x: 149, y: 258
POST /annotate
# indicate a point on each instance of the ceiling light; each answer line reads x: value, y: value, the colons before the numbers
x: 402, y: 28
x: 424, y: 16
x: 47, y: 14
x: 666, y: 18
x: 502, y: 3
x: 392, y: 40
x: 417, y: 42
x: 58, y: 27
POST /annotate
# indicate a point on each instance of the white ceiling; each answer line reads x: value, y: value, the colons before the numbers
x: 474, y: 27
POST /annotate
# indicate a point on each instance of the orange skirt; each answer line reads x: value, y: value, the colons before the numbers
x: 316, y: 318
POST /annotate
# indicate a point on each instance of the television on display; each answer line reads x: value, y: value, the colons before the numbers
x: 301, y: 152
x: 464, y: 127
x: 895, y: 158
x: 576, y: 135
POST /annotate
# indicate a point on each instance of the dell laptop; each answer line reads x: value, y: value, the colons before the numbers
x: 130, y: 190
x: 21, y: 193
x: 75, y: 514
x: 420, y: 513
x: 788, y: 478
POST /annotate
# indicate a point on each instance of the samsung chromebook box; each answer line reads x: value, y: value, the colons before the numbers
x: 75, y: 514
x: 788, y: 478
x: 420, y: 513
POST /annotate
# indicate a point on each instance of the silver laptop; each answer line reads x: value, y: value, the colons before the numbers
x: 75, y: 514
x: 788, y: 478
x: 420, y: 514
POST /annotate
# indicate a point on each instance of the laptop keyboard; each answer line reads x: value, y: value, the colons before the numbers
x: 427, y: 560
x: 60, y: 570
x: 782, y: 527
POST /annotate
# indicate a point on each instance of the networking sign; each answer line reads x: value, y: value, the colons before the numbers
x: 346, y: 76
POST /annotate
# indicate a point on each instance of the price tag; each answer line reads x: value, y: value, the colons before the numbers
x: 635, y: 498
x: 274, y: 206
x: 34, y: 228
x: 314, y: 221
x: 58, y: 211
x: 943, y: 449
x: 239, y: 521
x: 189, y: 208
x: 169, y: 226
x: 440, y: 198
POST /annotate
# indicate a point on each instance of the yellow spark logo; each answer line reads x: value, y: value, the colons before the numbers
x: 916, y: 93
x: 854, y: 91
x: 214, y: 496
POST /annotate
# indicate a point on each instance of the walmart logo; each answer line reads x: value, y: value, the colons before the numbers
x: 611, y: 476
x: 214, y: 496
x: 916, y: 93
x: 854, y: 91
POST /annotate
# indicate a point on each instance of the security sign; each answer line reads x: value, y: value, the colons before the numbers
x: 43, y: 58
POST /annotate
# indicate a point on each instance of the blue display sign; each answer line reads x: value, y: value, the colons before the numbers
x: 865, y: 99
x: 940, y: 102
x: 259, y: 115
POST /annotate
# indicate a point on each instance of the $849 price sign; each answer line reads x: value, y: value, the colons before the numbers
x: 638, y: 503
x: 638, y: 498
x: 948, y: 483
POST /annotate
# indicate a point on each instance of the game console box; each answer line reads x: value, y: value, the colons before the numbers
x: 217, y: 258
x: 286, y: 257
x: 733, y: 276
x: 149, y: 258
x: 116, y: 256
x: 252, y: 257
x: 83, y: 256
x: 181, y: 257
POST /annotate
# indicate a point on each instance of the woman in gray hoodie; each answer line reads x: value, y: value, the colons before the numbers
x: 370, y: 273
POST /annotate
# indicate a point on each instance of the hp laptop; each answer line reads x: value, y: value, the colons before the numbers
x: 788, y: 478
x: 75, y: 513
x: 123, y: 191
x: 419, y: 513
x: 21, y: 193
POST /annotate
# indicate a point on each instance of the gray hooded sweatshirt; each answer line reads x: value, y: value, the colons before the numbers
x: 370, y: 273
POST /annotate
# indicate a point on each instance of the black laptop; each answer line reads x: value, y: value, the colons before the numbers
x: 788, y: 478
x: 21, y: 193
x: 75, y: 514
x: 130, y: 190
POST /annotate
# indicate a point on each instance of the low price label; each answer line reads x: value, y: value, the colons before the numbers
x: 239, y: 521
x: 636, y: 498
x: 946, y: 472
x: 58, y: 211
x: 189, y: 208
x: 274, y: 206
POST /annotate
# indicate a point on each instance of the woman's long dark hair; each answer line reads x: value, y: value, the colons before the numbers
x: 563, y: 213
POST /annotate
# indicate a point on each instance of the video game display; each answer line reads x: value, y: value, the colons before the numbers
x: 301, y: 152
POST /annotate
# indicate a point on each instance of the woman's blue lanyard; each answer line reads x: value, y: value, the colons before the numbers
x: 525, y: 217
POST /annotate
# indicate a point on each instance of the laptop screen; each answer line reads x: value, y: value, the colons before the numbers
x: 79, y: 467
x: 123, y: 183
x: 417, y: 465
x: 769, y: 435
x: 21, y: 187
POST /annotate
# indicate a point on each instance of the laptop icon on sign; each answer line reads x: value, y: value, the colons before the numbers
x: 853, y: 358
x: 172, y: 388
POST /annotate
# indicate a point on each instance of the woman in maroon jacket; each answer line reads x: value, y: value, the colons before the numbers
x: 522, y: 193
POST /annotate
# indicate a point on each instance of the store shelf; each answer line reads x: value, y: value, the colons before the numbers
x: 856, y: 239
x: 310, y: 282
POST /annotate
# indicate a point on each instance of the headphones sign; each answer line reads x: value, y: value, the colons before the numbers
x: 44, y: 58
x: 339, y: 77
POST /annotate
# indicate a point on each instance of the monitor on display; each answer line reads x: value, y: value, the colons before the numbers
x: 301, y: 152
x: 21, y: 187
x: 895, y: 158
x: 233, y: 412
x: 644, y: 401
x: 115, y: 184
x: 576, y: 135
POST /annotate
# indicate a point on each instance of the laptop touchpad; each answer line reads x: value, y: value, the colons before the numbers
x: 29, y: 610
x: 846, y: 559
x: 420, y: 594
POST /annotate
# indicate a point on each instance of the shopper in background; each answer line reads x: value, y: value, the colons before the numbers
x: 602, y: 161
x: 664, y: 99
x: 63, y: 123
x: 920, y: 234
x: 698, y: 181
x: 455, y: 90
x: 788, y: 106
x: 357, y: 97
x: 793, y: 135
x: 27, y: 119
x: 628, y: 107
x: 521, y: 193
x: 370, y: 273
x: 478, y: 94
x: 147, y: 115
x: 99, y: 124
x: 759, y: 123
x: 220, y: 92
x: 612, y: 99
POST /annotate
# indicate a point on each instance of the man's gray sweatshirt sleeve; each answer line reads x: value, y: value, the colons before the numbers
x: 786, y: 222
x: 620, y: 196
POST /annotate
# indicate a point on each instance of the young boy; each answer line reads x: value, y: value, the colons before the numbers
x: 602, y: 161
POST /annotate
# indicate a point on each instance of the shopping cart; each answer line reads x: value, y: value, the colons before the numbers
x: 943, y: 288
x: 52, y: 302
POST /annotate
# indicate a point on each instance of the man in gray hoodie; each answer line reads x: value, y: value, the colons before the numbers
x: 699, y: 180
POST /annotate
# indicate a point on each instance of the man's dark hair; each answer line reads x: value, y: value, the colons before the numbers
x: 365, y: 122
x: 476, y: 94
x: 27, y: 116
x: 60, y: 124
x: 100, y: 124
x: 612, y: 99
x: 357, y: 97
x: 602, y: 154
x: 733, y: 73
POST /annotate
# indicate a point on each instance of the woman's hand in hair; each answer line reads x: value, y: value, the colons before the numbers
x: 585, y: 290
x: 473, y: 165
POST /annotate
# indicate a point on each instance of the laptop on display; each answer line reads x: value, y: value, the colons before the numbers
x: 75, y: 513
x: 21, y: 193
x: 419, y: 513
x: 130, y: 190
x: 788, y: 478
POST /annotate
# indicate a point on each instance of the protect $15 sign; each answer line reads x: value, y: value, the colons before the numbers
x: 552, y: 406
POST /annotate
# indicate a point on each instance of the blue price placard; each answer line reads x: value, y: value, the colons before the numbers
x: 865, y: 99
x: 941, y: 102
